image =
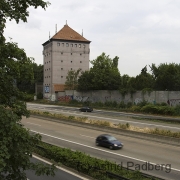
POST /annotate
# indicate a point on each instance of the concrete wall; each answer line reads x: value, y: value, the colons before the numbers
x: 170, y: 97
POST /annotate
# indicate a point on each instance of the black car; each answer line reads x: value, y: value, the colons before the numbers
x: 109, y: 141
x: 86, y: 109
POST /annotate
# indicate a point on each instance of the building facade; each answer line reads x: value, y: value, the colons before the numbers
x: 66, y: 50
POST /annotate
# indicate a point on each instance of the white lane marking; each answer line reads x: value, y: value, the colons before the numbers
x: 131, y: 122
x: 99, y: 149
x: 33, y: 124
x: 87, y: 136
x: 69, y: 172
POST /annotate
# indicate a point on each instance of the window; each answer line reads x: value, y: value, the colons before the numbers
x: 71, y: 68
x: 71, y: 45
x: 61, y: 68
x: 62, y: 53
x: 80, y: 54
x: 58, y: 44
x: 61, y: 60
x: 71, y: 61
x: 67, y: 45
x: 79, y: 45
x: 84, y: 45
x: 63, y: 44
x: 61, y: 76
x: 80, y: 61
x: 71, y: 53
x: 75, y: 45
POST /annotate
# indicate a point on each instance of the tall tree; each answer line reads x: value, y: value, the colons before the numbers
x: 144, y: 80
x: 16, y: 143
x: 72, y: 79
x: 167, y: 76
x: 104, y: 74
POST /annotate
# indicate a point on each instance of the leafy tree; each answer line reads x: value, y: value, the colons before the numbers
x: 125, y: 81
x: 104, y: 74
x: 166, y: 76
x: 16, y: 142
x: 144, y: 80
x: 72, y: 79
x: 85, y: 81
x: 26, y: 84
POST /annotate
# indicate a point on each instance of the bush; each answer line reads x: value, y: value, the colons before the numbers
x: 129, y: 104
x: 177, y: 110
x: 74, y: 102
x: 122, y: 104
x: 142, y: 103
x: 28, y: 97
x: 135, y: 108
x: 40, y: 95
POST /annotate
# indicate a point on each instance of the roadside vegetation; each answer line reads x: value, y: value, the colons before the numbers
x: 91, y: 166
x: 102, y: 123
x: 142, y: 107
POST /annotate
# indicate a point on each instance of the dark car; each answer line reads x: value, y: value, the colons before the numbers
x: 109, y: 141
x: 86, y: 109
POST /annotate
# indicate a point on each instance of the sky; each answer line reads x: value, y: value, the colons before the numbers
x: 139, y: 32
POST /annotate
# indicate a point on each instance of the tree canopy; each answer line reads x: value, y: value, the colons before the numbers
x: 16, y: 142
x: 104, y: 75
x: 72, y: 79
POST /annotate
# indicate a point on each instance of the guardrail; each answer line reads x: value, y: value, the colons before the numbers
x: 141, y: 135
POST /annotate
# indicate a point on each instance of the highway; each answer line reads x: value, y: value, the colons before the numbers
x: 135, y: 153
x: 111, y: 116
x: 60, y: 173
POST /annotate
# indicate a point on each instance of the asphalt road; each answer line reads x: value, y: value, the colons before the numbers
x: 135, y: 153
x: 112, y: 116
x: 59, y: 174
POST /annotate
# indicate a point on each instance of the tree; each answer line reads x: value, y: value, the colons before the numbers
x: 104, y: 75
x: 16, y: 142
x: 166, y: 76
x: 26, y: 84
x: 85, y: 81
x: 144, y: 80
x: 72, y: 79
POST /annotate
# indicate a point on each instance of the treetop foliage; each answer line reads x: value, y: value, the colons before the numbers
x: 16, y: 142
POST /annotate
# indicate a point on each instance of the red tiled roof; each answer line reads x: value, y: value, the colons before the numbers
x: 67, y: 33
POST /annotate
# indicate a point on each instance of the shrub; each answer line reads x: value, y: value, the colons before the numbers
x: 28, y: 97
x: 150, y: 109
x: 98, y: 104
x: 40, y: 95
x: 177, y: 110
x: 71, y: 117
x: 129, y: 104
x: 135, y: 108
x: 122, y: 104
x: 74, y: 102
x: 142, y: 103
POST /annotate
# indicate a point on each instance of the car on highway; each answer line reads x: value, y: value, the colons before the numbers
x: 86, y: 109
x: 108, y: 141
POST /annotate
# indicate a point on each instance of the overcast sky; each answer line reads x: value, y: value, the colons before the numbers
x: 139, y: 32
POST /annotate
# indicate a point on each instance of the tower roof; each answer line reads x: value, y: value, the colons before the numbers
x: 67, y: 33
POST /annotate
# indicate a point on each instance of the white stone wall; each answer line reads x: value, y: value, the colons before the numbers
x: 170, y: 97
